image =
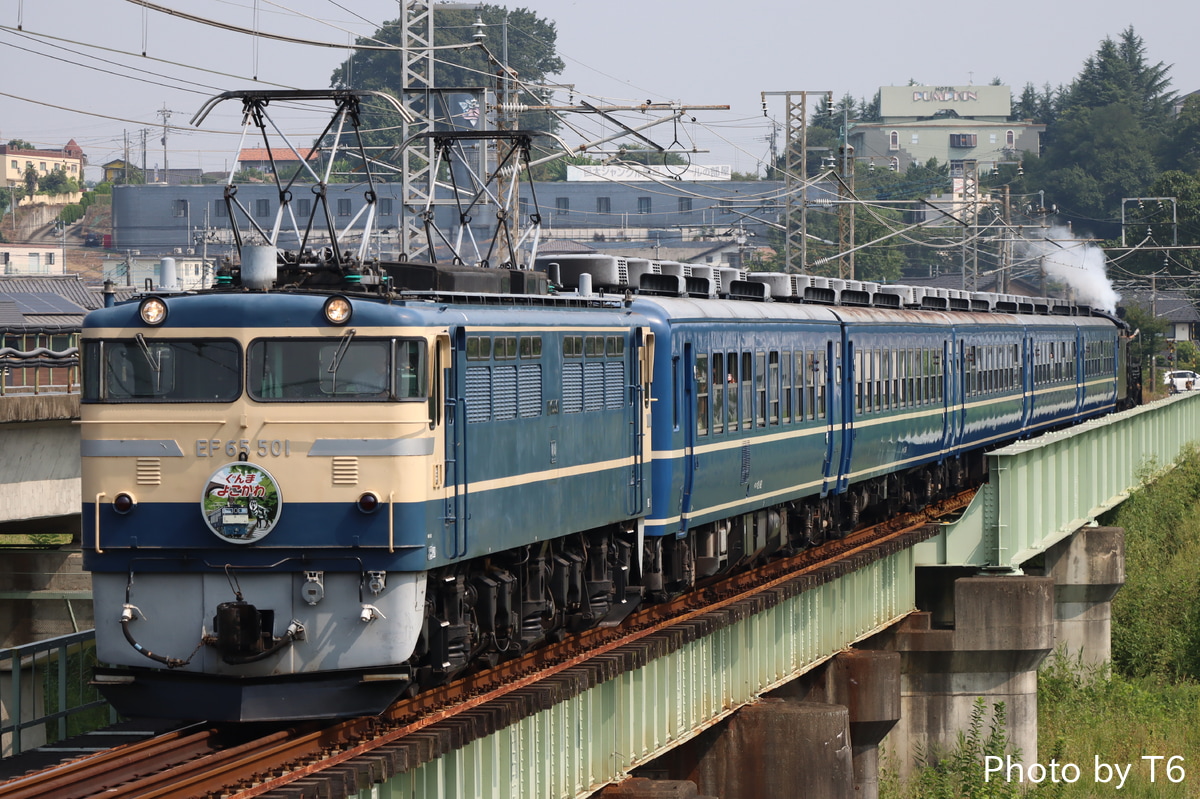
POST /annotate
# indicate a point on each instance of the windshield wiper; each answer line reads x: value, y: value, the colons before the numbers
x: 155, y: 363
x: 341, y: 350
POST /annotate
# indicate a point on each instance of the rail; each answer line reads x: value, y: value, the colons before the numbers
x: 45, y: 695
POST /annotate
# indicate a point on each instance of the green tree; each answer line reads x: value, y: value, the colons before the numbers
x: 1151, y: 336
x: 556, y: 170
x: 532, y: 59
x: 57, y: 182
x: 1181, y: 147
x: 1099, y: 155
x: 1102, y: 145
x: 31, y: 180
x: 1042, y: 107
x: 20, y: 144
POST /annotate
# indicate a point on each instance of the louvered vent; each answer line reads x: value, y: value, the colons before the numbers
x: 479, y: 394
x: 572, y: 387
x: 529, y: 382
x: 149, y: 471
x: 614, y: 385
x: 504, y: 392
x: 345, y: 471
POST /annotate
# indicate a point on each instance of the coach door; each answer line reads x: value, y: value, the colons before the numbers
x: 828, y: 369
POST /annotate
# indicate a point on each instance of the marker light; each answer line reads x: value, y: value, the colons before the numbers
x: 337, y: 310
x: 368, y: 502
x: 123, y: 503
x: 153, y: 310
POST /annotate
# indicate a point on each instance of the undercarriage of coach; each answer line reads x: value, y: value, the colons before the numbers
x: 674, y: 565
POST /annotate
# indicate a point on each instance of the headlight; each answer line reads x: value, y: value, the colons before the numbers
x: 153, y: 310
x: 123, y: 503
x: 368, y: 502
x: 337, y: 310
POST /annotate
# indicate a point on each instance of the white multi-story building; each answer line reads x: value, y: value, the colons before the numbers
x: 950, y: 123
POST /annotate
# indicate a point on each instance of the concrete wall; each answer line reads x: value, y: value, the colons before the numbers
x: 39, y: 473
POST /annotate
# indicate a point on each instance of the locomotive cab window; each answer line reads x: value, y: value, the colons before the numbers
x: 161, y: 370
x: 345, y: 369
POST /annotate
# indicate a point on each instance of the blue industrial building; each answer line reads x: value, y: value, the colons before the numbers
x: 163, y: 219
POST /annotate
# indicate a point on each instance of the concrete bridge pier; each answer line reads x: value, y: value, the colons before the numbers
x: 1088, y: 569
x: 816, y: 737
x: 1002, y: 629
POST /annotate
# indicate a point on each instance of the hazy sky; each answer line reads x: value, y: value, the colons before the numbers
x: 82, y: 62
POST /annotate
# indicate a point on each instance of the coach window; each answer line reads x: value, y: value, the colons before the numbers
x: 773, y: 387
x: 718, y: 392
x: 820, y: 378
x: 919, y: 377
x: 747, y: 389
x: 890, y: 380
x: 785, y: 379
x: 702, y: 387
x: 858, y: 382
x: 877, y: 380
x: 732, y: 415
x: 760, y: 388
x: 868, y: 381
x: 805, y: 364
x: 910, y: 380
x: 732, y: 391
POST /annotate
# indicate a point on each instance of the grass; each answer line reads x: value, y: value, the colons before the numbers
x: 1090, y: 713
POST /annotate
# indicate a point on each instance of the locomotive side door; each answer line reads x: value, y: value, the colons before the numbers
x: 451, y: 374
x: 642, y: 378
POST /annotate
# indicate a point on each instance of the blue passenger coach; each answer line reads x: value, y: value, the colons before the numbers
x: 786, y: 423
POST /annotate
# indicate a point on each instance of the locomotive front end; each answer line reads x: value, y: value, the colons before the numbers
x: 258, y: 478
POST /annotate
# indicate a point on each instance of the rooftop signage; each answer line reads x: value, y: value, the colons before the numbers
x: 925, y: 101
x: 635, y: 172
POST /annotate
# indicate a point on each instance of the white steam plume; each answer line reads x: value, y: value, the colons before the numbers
x: 1079, y: 264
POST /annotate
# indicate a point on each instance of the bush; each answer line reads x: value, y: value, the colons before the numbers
x: 71, y: 213
x: 1156, y: 616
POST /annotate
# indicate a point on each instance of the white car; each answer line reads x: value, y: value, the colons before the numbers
x: 1181, y: 380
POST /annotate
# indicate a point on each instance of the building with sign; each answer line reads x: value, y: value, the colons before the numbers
x: 950, y: 123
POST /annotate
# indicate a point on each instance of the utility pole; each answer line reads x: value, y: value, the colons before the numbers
x: 166, y: 118
x: 846, y: 209
x: 1153, y: 316
x: 1005, y: 246
x: 796, y: 174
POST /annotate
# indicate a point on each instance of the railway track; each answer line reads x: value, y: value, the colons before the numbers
x: 240, y: 762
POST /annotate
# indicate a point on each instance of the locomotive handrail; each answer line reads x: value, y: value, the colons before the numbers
x: 391, y: 521
x: 98, y: 496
